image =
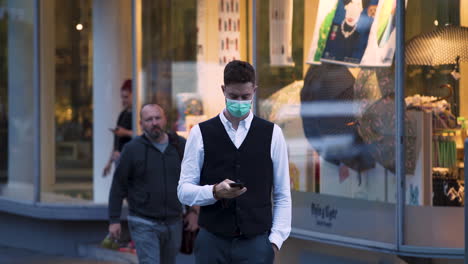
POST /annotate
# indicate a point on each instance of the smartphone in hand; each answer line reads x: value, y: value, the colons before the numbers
x: 239, y: 185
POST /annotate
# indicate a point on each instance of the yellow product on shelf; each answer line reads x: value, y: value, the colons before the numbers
x: 294, y: 174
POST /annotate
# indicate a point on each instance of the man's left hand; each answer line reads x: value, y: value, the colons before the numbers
x: 191, y: 221
x: 276, y: 250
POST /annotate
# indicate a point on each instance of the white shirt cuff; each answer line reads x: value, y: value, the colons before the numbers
x: 208, y: 195
x: 276, y: 239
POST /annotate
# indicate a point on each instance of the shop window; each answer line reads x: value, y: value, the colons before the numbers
x: 73, y: 110
x: 334, y: 100
x: 326, y: 77
x: 194, y: 40
x: 435, y: 94
x: 16, y: 100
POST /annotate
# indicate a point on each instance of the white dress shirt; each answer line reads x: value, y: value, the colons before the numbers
x: 191, y: 193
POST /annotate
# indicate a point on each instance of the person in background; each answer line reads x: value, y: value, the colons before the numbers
x: 123, y: 131
x: 235, y: 165
x: 147, y: 175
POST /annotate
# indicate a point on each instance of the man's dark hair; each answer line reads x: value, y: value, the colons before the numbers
x: 238, y: 71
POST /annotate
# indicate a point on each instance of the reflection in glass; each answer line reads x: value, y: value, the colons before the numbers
x: 434, y: 214
x: 168, y: 52
x: 195, y: 39
x: 339, y: 125
x: 73, y: 101
x: 16, y: 99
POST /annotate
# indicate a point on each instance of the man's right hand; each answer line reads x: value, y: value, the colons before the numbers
x: 114, y: 230
x: 223, y: 190
x: 115, y: 155
x: 107, y: 169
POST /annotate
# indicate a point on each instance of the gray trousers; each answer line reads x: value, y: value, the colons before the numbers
x: 155, y: 242
x: 215, y: 249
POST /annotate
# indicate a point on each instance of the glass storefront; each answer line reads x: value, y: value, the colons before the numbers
x: 73, y: 100
x: 17, y: 99
x: 436, y: 126
x: 326, y: 76
x: 170, y: 69
x: 195, y: 40
x: 341, y: 185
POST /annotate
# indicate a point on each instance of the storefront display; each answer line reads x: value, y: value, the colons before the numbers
x: 325, y: 14
x: 221, y: 38
x: 326, y: 72
x: 354, y: 33
x: 281, y: 17
x: 283, y: 108
x: 190, y: 110
x: 229, y: 31
x: 329, y: 85
x: 349, y: 32
x: 362, y: 33
x: 438, y: 47
x: 447, y: 180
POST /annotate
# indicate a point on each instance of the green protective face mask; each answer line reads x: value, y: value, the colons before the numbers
x: 238, y: 108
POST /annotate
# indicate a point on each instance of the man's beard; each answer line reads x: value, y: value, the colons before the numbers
x: 154, y: 134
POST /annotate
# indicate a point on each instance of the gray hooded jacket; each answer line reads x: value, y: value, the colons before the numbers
x: 148, y: 178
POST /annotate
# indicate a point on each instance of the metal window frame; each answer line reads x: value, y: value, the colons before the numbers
x: 135, y: 74
x: 466, y: 207
x: 37, y: 102
x: 400, y: 125
x: 254, y: 48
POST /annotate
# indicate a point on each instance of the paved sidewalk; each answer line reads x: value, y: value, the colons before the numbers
x: 23, y: 256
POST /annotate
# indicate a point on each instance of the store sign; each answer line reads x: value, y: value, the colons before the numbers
x: 323, y: 214
x: 344, y: 216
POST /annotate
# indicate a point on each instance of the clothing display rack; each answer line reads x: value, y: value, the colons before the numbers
x: 448, y: 190
x: 444, y: 149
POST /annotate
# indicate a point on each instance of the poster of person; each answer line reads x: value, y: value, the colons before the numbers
x: 382, y: 39
x: 281, y: 14
x: 349, y: 32
x: 325, y: 15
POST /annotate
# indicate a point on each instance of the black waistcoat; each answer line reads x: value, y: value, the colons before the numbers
x: 250, y: 213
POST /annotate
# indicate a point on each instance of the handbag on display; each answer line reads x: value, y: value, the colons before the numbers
x: 375, y: 91
x: 333, y: 85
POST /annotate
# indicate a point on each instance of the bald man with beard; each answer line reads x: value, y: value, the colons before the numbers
x: 147, y: 176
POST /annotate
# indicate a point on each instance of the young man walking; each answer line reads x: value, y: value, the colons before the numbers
x: 234, y: 165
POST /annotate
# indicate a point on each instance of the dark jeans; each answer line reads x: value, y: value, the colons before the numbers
x: 155, y: 242
x: 215, y: 249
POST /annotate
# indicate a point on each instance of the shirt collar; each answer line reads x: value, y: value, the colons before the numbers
x: 245, y: 123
